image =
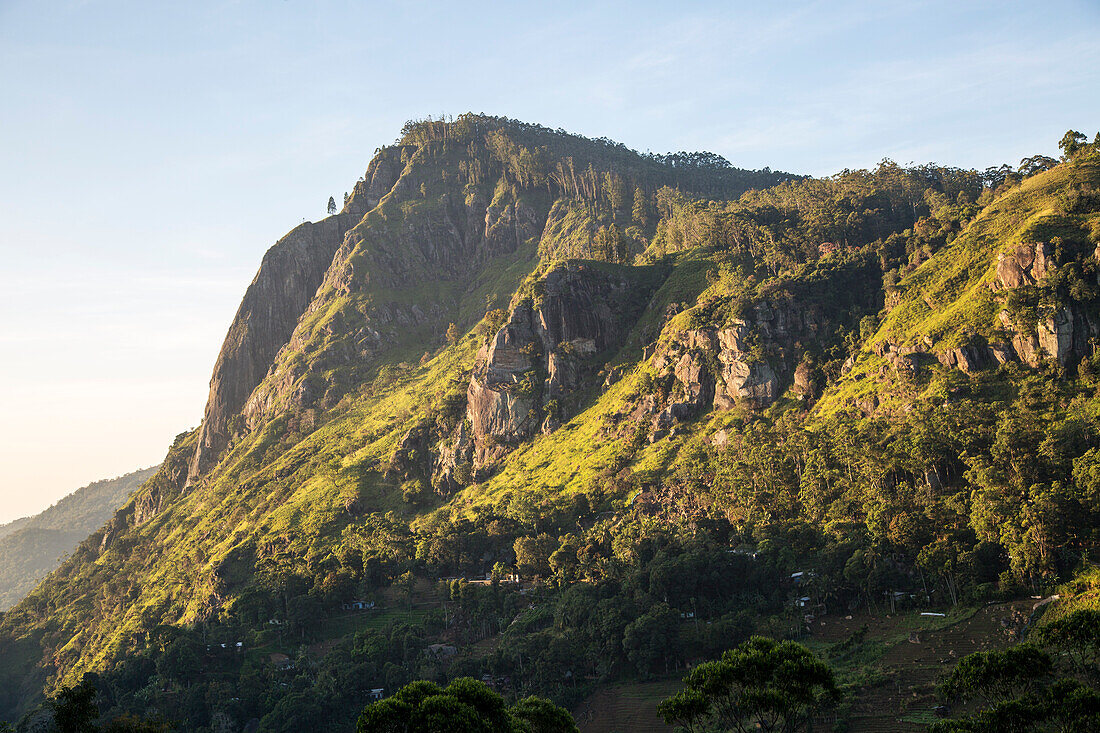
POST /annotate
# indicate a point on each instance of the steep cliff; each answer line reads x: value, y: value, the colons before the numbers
x: 531, y: 373
x: 517, y: 350
x: 285, y: 284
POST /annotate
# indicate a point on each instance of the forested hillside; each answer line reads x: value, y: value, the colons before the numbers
x: 546, y: 412
x: 33, y: 546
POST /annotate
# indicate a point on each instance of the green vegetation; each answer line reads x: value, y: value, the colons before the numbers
x: 465, y: 705
x: 760, y: 685
x: 1025, y: 688
x: 358, y: 533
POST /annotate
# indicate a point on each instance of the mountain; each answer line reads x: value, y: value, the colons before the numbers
x: 31, y: 547
x: 678, y: 400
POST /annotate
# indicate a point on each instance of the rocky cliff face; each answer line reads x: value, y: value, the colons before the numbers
x: 395, y: 283
x: 1024, y: 264
x: 529, y: 375
x: 288, y: 278
x: 1061, y: 332
x: 276, y: 298
x: 430, y: 222
x: 750, y: 362
x: 1058, y: 327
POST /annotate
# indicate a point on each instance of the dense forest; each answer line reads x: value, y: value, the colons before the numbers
x: 552, y: 414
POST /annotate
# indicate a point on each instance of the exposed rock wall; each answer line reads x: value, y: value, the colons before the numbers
x: 533, y: 369
x: 378, y: 268
x: 287, y: 279
x: 1062, y: 333
x: 1025, y: 264
x: 749, y: 362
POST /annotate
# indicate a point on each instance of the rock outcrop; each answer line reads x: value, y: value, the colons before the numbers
x: 412, y: 456
x: 397, y: 274
x: 1062, y: 331
x: 454, y: 460
x: 272, y: 305
x: 1025, y: 264
x: 1064, y: 335
x: 749, y: 362
x: 288, y: 278
x: 532, y: 370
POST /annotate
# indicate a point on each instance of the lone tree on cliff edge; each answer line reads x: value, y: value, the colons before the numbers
x: 331, y: 206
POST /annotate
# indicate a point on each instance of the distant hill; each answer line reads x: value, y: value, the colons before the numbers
x: 31, y: 547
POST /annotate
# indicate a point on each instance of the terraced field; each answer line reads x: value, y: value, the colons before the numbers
x: 625, y: 708
x: 890, y: 671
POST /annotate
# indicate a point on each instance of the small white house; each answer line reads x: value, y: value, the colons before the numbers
x: 358, y: 606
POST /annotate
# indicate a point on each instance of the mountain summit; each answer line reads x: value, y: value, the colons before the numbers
x: 544, y: 411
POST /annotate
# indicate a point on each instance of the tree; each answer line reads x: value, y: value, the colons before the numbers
x: 180, y: 660
x: 1077, y: 637
x: 131, y: 724
x: 997, y: 676
x: 1020, y: 694
x: 464, y: 706
x: 539, y: 715
x: 331, y: 205
x: 1071, y: 142
x: 762, y: 684
x: 407, y: 583
x: 452, y: 334
x: 533, y: 554
x: 74, y: 708
x: 640, y: 211
x: 651, y: 638
x: 1036, y: 164
x: 1067, y: 705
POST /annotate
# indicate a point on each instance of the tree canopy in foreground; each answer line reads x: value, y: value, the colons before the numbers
x: 763, y: 684
x: 464, y: 706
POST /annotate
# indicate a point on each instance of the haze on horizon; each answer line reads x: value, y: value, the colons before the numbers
x: 150, y: 154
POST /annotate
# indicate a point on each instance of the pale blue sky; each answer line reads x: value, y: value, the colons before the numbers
x: 150, y: 152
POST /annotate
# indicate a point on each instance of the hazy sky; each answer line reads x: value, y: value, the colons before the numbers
x: 150, y: 152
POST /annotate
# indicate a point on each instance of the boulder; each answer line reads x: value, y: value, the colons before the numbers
x: 1055, y: 335
x: 1024, y: 264
x: 742, y: 377
x: 455, y: 456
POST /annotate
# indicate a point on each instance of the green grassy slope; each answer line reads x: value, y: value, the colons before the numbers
x: 848, y: 465
x: 950, y: 300
x: 289, y: 480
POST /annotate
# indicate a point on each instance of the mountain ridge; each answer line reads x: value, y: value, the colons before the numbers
x: 532, y: 354
x: 30, y: 547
